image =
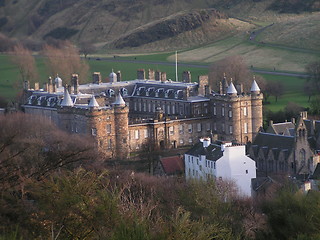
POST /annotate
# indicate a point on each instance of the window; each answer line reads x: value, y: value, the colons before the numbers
x: 230, y: 114
x: 197, y: 161
x: 190, y: 128
x: 215, y: 126
x: 199, y: 127
x: 146, y: 133
x: 222, y: 111
x: 109, y: 143
x: 208, y: 126
x: 108, y: 127
x: 144, y: 107
x: 181, y: 141
x: 173, y: 109
x: 230, y: 129
x: 214, y: 165
x: 171, y: 130
x: 136, y: 134
x: 302, y: 156
x: 149, y: 107
x: 247, y: 171
x: 200, y: 167
x: 168, y: 109
x: 245, y: 127
x: 190, y: 140
x: 94, y: 131
x: 181, y: 129
x: 245, y: 111
x: 214, y: 111
x: 223, y: 128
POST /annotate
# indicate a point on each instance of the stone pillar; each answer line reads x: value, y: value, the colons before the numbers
x: 141, y: 75
x: 96, y: 78
x: 186, y: 76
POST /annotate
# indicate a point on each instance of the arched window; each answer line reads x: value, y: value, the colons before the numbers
x: 302, y: 156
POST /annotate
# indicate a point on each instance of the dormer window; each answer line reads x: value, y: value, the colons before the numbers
x: 159, y: 91
x: 140, y: 90
x: 110, y: 92
x: 167, y: 93
x: 149, y: 91
x: 124, y: 92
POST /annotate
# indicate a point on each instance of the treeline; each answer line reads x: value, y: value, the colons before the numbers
x: 56, y: 186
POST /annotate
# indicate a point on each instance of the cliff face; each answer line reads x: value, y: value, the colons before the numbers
x: 169, y: 27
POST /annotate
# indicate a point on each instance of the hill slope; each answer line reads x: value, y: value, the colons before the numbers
x: 107, y: 21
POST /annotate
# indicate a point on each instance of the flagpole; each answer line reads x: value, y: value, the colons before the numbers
x: 176, y: 66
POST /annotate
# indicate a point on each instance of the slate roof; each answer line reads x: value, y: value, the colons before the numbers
x: 212, y: 152
x: 286, y: 128
x: 274, y: 142
x: 172, y: 165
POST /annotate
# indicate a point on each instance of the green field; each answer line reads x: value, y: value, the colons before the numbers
x: 9, y: 77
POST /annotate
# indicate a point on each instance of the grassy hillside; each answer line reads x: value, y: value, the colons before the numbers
x: 301, y: 31
x: 103, y: 21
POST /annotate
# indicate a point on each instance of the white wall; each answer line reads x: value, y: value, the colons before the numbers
x: 234, y: 165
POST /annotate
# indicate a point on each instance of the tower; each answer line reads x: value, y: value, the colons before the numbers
x: 256, y: 108
x: 121, y: 123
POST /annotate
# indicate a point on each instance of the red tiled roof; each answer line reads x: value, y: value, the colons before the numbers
x: 172, y: 165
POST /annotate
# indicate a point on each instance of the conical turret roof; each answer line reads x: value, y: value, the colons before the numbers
x: 119, y: 100
x: 93, y: 102
x: 67, y: 101
x: 231, y: 89
x: 254, y: 86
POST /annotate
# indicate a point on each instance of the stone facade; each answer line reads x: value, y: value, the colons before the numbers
x: 148, y: 113
x: 286, y: 148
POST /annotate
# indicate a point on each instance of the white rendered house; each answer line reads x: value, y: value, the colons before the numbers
x: 225, y: 161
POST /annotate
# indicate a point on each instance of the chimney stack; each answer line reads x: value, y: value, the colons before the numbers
x: 158, y: 75
x: 163, y: 76
x: 141, y: 75
x: 119, y: 77
x: 186, y: 76
x: 96, y: 78
x: 75, y: 83
x: 151, y: 74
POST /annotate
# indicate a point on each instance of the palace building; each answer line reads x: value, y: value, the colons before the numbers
x: 148, y: 113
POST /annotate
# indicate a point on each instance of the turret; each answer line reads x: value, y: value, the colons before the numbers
x: 93, y: 104
x: 112, y: 77
x: 232, y: 91
x: 121, y: 123
x: 67, y: 101
x: 256, y: 108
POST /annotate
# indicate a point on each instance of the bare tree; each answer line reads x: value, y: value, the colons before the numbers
x: 87, y: 48
x: 313, y: 69
x: 275, y: 89
x: 232, y: 67
x: 65, y: 61
x: 310, y: 89
x: 31, y: 147
x: 25, y: 62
